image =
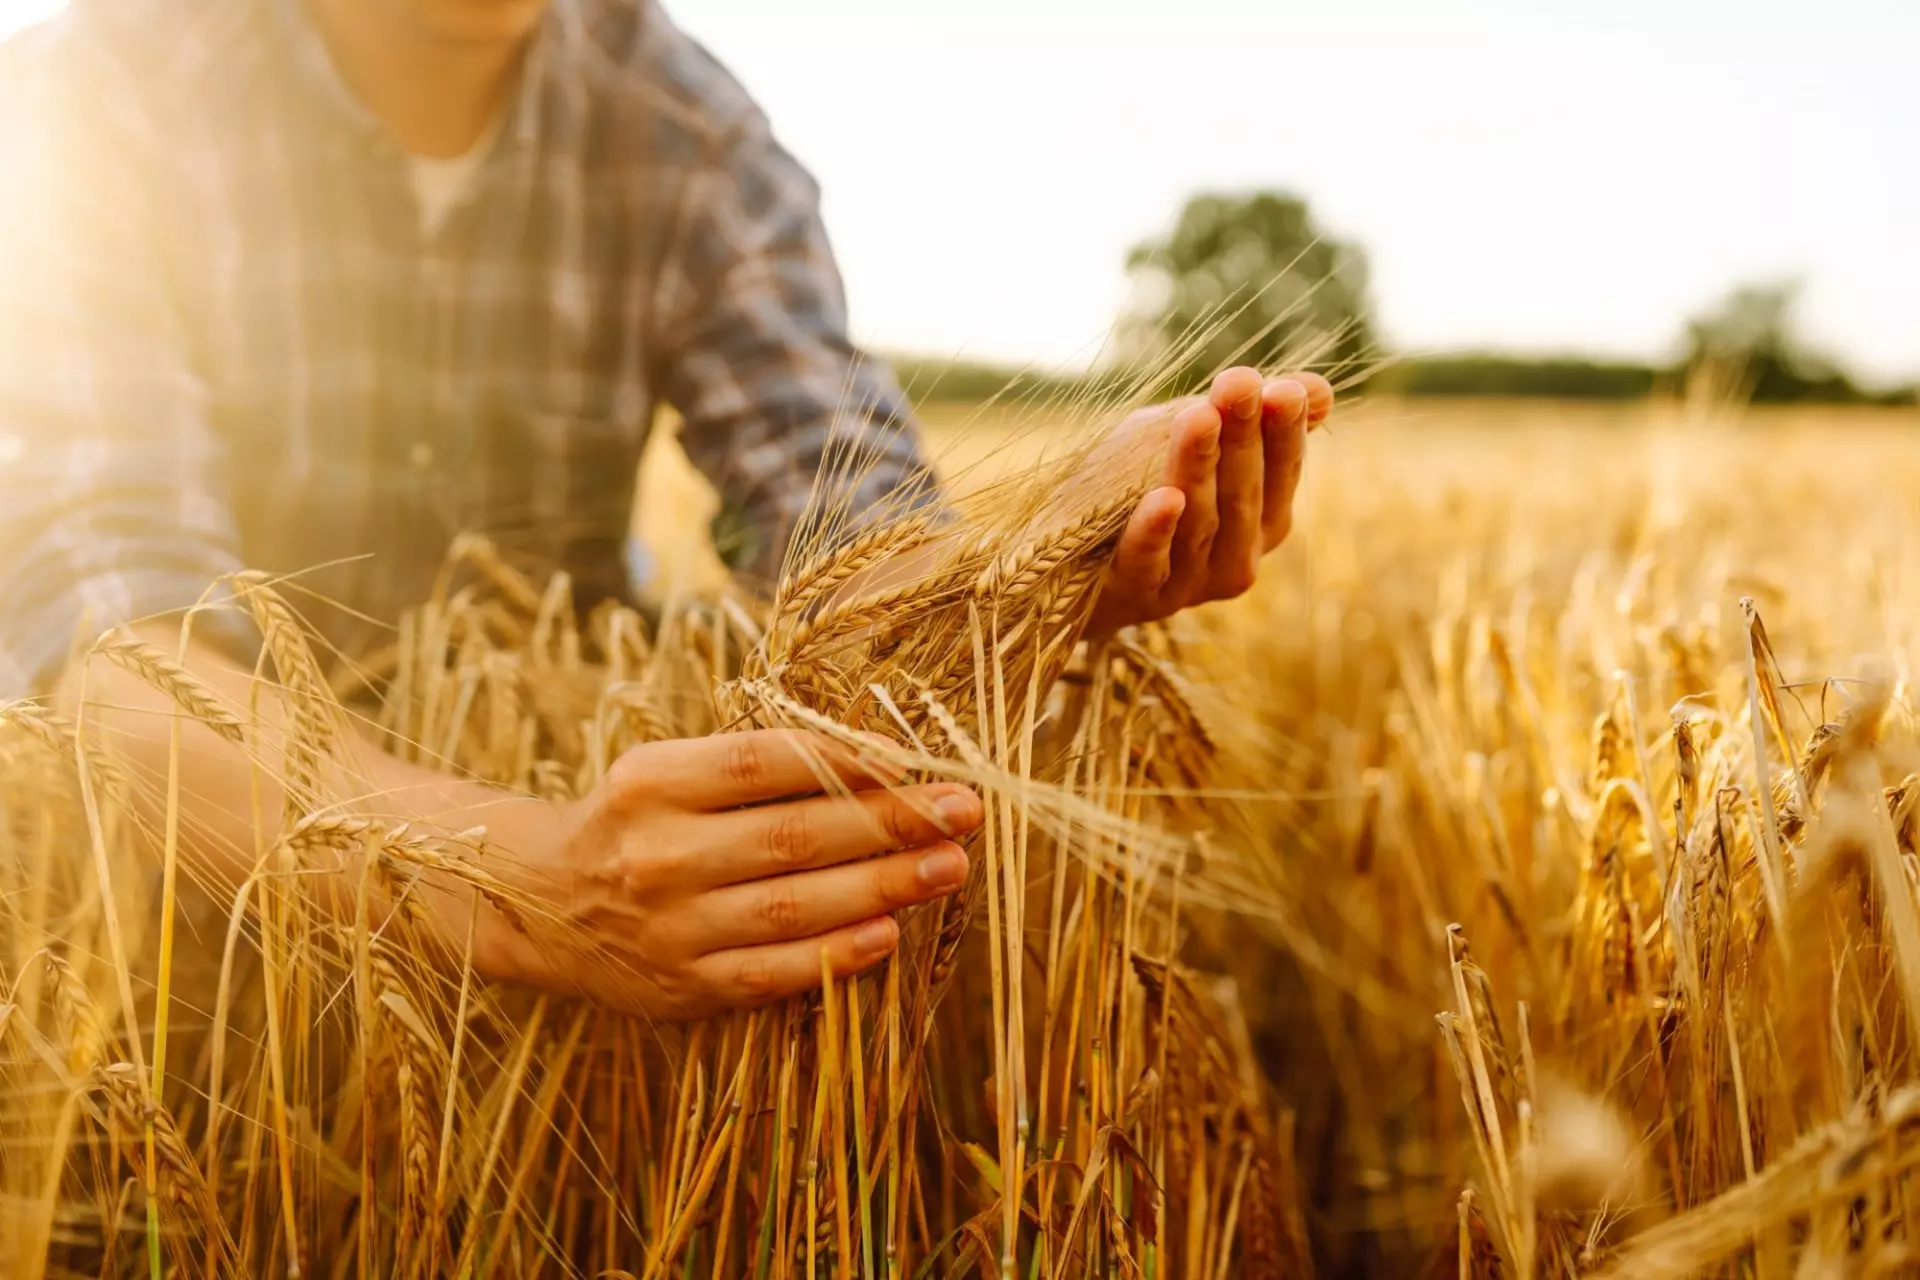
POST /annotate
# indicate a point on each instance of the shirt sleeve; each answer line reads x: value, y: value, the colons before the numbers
x: 805, y: 436
x: 113, y: 496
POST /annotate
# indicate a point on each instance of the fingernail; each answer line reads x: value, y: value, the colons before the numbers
x: 874, y: 937
x: 957, y: 811
x: 1247, y: 408
x: 943, y: 869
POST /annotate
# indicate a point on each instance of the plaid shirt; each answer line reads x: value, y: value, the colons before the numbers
x: 225, y: 340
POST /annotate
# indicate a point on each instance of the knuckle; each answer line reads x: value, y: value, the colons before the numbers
x: 1142, y: 575
x: 637, y: 876
x: 789, y: 837
x: 1205, y: 523
x: 1236, y: 581
x: 632, y: 776
x: 779, y: 911
x: 898, y: 886
x: 754, y: 979
x: 708, y: 982
x: 1287, y: 449
x: 743, y: 765
x: 899, y: 822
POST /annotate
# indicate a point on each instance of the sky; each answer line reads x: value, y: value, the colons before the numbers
x: 1523, y: 174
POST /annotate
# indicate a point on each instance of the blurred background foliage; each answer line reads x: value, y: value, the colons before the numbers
x: 1271, y: 284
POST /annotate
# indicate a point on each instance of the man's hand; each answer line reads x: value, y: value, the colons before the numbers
x: 700, y: 875
x: 711, y: 873
x: 1233, y: 460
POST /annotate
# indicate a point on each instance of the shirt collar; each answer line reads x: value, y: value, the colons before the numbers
x: 557, y: 58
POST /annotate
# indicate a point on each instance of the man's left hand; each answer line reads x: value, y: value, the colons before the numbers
x: 1233, y: 461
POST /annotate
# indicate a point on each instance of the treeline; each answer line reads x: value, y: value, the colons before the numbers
x: 1573, y: 378
x: 930, y: 381
x: 1562, y: 378
x: 1253, y: 277
x: 1484, y: 374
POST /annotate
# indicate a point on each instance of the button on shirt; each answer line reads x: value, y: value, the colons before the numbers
x: 228, y: 340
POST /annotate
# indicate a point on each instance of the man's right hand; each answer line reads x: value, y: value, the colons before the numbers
x: 701, y: 875
x: 711, y: 873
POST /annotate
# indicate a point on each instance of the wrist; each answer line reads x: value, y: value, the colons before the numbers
x: 509, y: 855
x: 522, y: 856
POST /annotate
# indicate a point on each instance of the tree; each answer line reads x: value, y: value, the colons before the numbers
x: 1748, y: 340
x: 1246, y: 279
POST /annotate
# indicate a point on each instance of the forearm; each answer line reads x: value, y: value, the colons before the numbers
x: 698, y: 875
x: 232, y: 795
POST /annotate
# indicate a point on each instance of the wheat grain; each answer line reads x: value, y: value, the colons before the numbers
x: 189, y: 692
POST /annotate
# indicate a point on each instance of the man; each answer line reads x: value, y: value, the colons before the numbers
x: 317, y: 284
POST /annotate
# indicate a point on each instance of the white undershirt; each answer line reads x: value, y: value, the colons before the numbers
x: 441, y: 184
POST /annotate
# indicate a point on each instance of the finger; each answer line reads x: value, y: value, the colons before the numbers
x: 728, y: 770
x: 801, y: 835
x: 1141, y: 563
x: 1319, y: 397
x: 1238, y: 480
x: 1285, y: 430
x: 1193, y: 462
x: 783, y: 908
x: 1141, y: 438
x: 759, y: 975
x: 1283, y: 401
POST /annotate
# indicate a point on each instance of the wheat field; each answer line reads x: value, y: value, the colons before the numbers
x: 1521, y: 881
